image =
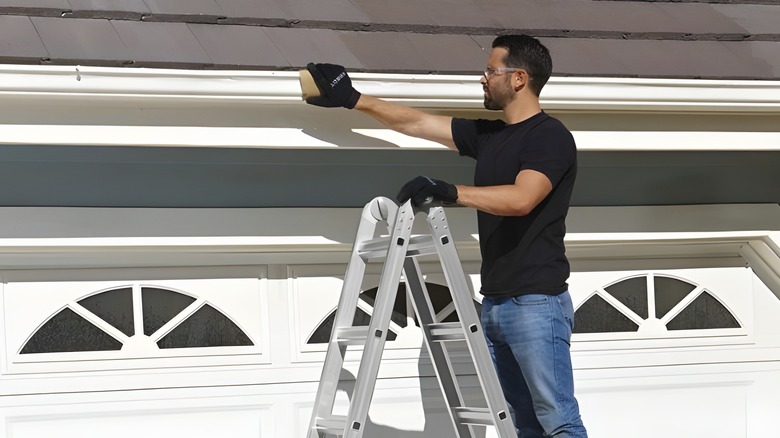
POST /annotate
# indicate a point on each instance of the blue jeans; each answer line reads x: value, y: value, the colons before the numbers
x: 529, y: 337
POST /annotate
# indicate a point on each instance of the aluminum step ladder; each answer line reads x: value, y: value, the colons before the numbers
x: 399, y: 251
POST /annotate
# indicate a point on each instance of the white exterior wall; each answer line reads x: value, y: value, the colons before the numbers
x: 650, y: 387
x: 639, y: 382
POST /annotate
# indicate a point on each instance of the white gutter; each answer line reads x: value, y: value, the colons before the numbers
x: 60, y: 105
x: 450, y: 91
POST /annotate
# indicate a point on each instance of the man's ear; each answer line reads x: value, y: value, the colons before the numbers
x: 519, y: 79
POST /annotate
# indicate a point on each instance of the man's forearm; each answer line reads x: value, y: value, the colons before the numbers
x: 517, y: 199
x: 408, y: 120
x: 503, y: 200
x: 396, y: 117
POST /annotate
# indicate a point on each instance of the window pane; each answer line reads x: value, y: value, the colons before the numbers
x: 205, y: 328
x: 598, y: 316
x: 399, y: 307
x: 115, y: 307
x: 67, y: 331
x: 440, y: 298
x: 439, y: 295
x: 705, y: 312
x: 453, y: 317
x: 160, y: 306
x: 668, y: 293
x: 632, y: 293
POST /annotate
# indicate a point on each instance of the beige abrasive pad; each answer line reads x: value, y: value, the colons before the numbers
x: 308, y: 87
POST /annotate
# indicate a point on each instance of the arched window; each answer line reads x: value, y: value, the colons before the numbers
x: 168, y: 319
x: 440, y: 297
x: 652, y: 302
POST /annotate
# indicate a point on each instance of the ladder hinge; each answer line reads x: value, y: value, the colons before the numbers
x: 378, y: 248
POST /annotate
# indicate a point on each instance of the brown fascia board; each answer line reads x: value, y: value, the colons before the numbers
x: 105, y: 15
x: 68, y: 13
x: 182, y: 18
x: 386, y: 27
x: 32, y: 12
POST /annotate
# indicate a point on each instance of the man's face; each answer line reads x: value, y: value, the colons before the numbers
x: 497, y: 83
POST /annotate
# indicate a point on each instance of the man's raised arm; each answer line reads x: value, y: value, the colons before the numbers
x: 407, y: 120
x: 336, y: 90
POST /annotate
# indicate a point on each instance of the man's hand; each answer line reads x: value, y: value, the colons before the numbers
x: 427, y: 192
x: 335, y: 86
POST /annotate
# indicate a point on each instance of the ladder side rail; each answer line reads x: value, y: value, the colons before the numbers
x: 380, y: 321
x: 374, y: 212
x: 475, y: 338
x: 445, y: 374
x: 334, y: 356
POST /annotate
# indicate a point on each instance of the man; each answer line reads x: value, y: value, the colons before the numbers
x: 525, y: 171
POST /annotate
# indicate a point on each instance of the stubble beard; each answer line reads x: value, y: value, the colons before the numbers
x: 495, y: 99
x: 491, y: 105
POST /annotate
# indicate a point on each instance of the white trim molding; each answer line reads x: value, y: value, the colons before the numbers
x: 34, y: 238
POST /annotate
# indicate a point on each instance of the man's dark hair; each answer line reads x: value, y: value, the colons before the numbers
x: 528, y: 53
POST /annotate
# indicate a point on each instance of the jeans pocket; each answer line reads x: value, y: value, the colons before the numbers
x: 531, y: 300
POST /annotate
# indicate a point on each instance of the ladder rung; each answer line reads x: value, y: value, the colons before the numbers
x: 355, y: 335
x: 476, y: 416
x: 333, y: 425
x: 377, y: 248
x: 446, y: 331
x: 421, y: 245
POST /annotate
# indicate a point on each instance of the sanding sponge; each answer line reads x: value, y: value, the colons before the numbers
x: 308, y: 86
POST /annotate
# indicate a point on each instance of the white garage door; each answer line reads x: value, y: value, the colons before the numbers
x: 688, y: 352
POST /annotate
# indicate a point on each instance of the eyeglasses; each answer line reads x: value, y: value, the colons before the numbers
x: 490, y: 72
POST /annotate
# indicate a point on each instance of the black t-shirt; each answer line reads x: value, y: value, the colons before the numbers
x: 522, y: 254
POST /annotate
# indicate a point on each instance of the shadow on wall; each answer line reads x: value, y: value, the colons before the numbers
x: 434, y: 414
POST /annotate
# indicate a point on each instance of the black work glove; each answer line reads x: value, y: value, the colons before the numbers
x: 335, y: 86
x: 427, y: 192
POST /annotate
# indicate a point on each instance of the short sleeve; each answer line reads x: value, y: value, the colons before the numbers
x: 468, y: 135
x: 553, y: 153
x: 464, y: 134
